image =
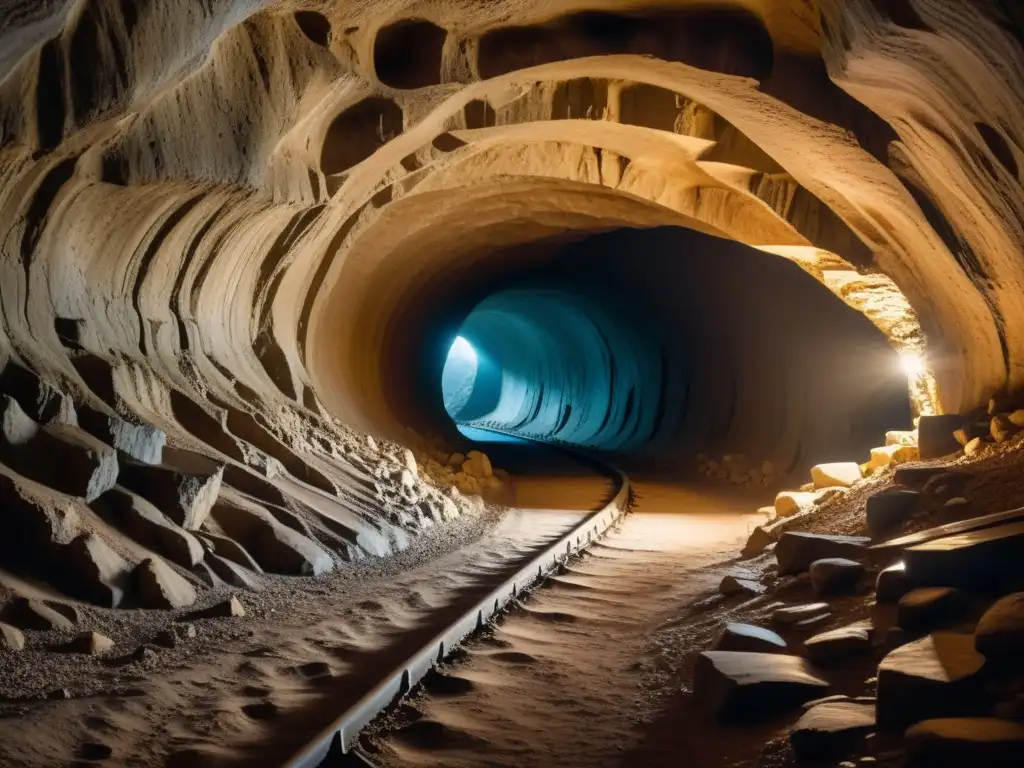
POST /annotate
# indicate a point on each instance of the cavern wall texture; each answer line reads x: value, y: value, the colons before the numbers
x: 234, y: 227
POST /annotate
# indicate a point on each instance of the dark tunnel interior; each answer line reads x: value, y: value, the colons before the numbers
x: 647, y: 344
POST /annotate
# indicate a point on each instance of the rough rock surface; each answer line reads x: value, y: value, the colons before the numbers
x: 742, y: 685
x: 835, y: 574
x: 838, y: 644
x: 156, y: 585
x: 831, y: 728
x: 887, y: 509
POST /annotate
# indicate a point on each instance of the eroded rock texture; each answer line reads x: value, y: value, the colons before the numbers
x: 234, y: 233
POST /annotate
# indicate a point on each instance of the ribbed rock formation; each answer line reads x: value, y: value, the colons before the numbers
x: 235, y: 236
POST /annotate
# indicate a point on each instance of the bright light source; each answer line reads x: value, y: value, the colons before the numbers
x: 912, y: 364
x: 458, y: 375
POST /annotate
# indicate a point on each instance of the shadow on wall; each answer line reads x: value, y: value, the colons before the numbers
x: 664, y: 342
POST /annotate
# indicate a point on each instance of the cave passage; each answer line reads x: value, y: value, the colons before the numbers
x: 664, y: 342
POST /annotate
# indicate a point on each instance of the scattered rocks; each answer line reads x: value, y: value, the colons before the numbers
x: 839, y: 644
x: 979, y: 741
x: 92, y: 643
x: 157, y: 585
x: 835, y: 574
x: 888, y: 509
x: 796, y: 550
x: 795, y: 614
x: 33, y: 614
x: 933, y: 677
x: 734, y: 586
x: 892, y: 583
x: 999, y: 636
x: 935, y: 435
x: 927, y: 608
x: 830, y: 729
x: 747, y: 637
x: 741, y: 685
x: 840, y: 474
x: 225, y: 609
x: 11, y: 638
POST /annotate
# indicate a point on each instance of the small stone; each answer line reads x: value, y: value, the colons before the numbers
x: 746, y: 685
x: 225, y: 609
x: 733, y: 586
x: 956, y: 501
x: 999, y: 636
x: 1001, y: 428
x: 892, y: 583
x: 59, y: 694
x: 888, y: 509
x: 11, y: 638
x: 92, y: 643
x: 973, y: 446
x: 798, y: 613
x: 926, y: 608
x: 747, y: 637
x: 831, y: 729
x: 835, y: 574
x: 840, y: 474
x: 839, y: 644
x: 165, y: 638
x: 978, y: 741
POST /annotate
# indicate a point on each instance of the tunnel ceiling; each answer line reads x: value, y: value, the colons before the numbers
x: 249, y: 224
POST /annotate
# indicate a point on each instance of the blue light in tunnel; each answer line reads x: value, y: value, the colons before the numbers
x: 459, y: 375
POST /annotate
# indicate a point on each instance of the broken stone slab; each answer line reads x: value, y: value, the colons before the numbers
x: 832, y: 575
x: 92, y: 643
x: 225, y: 609
x: 892, y: 583
x: 986, y: 560
x: 935, y: 435
x: 740, y: 685
x: 789, y: 503
x: 732, y: 585
x: 927, y: 608
x: 33, y: 614
x: 839, y: 644
x: 231, y: 573
x: 888, y: 509
x: 749, y: 638
x: 157, y: 585
x: 11, y: 638
x: 796, y: 550
x: 93, y: 571
x: 977, y: 741
x: 794, y: 614
x: 139, y: 519
x: 839, y: 474
x: 185, y: 497
x: 935, y: 676
x: 999, y: 636
x: 141, y: 442
x: 41, y: 401
x: 949, y: 529
x: 831, y: 729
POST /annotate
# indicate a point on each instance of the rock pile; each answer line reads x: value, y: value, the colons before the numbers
x: 737, y: 469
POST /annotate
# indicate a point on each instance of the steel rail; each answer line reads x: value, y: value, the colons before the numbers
x: 341, y: 737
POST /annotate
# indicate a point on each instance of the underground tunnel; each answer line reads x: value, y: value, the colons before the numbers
x: 329, y: 330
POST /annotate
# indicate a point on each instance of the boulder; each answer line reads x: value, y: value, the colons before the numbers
x: 794, y: 614
x: 157, y: 585
x: 831, y: 729
x: 734, y: 586
x: 788, y: 503
x: 11, y: 638
x: 839, y: 644
x: 935, y: 435
x: 841, y: 474
x: 831, y: 575
x: 966, y: 741
x: 888, y: 509
x: 740, y: 685
x: 33, y: 614
x: 186, y: 497
x: 987, y: 559
x: 927, y: 608
x: 225, y: 609
x: 92, y: 643
x: 935, y: 676
x: 1001, y: 428
x: 892, y: 583
x: 94, y: 571
x: 796, y: 550
x: 747, y: 637
x: 133, y: 515
x: 999, y: 636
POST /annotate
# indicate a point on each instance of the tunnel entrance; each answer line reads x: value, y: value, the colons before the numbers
x: 661, y: 343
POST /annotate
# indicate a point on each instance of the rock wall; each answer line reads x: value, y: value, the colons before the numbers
x: 238, y: 224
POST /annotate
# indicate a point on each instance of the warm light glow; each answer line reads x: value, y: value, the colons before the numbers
x: 912, y: 364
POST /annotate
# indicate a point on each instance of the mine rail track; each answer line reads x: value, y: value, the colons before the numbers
x: 338, y: 743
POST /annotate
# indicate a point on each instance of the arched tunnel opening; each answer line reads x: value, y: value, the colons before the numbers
x: 655, y: 345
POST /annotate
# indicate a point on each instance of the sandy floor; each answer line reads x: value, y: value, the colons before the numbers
x: 569, y: 679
